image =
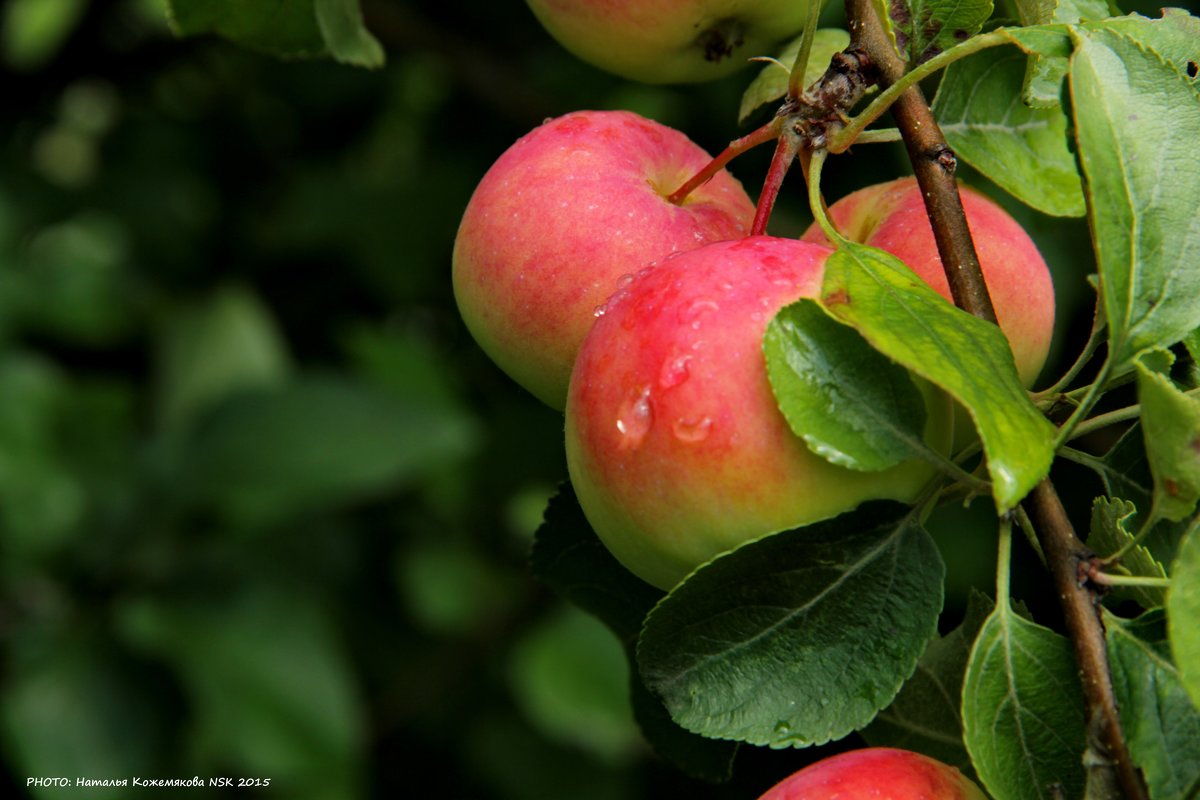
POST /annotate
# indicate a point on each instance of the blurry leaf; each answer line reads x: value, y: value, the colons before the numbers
x: 570, y: 677
x: 921, y: 29
x: 913, y: 325
x: 347, y: 39
x: 73, y: 711
x: 1110, y: 532
x: 452, y: 590
x: 401, y: 364
x: 1023, y: 718
x: 218, y: 346
x: 35, y: 30
x: 272, y: 692
x: 850, y: 404
x: 926, y: 716
x: 1159, y: 721
x: 1183, y: 609
x: 801, y: 637
x: 1137, y: 118
x: 1171, y: 425
x: 1023, y: 150
x: 41, y: 504
x: 318, y: 442
x: 287, y: 28
x: 698, y: 757
x: 772, y: 82
x: 569, y: 558
x: 1045, y: 72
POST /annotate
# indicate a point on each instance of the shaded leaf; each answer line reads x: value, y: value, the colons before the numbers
x: 1023, y: 717
x: 1045, y: 72
x: 1022, y: 149
x: 772, y: 82
x: 850, y: 404
x: 1171, y: 425
x: 1159, y: 721
x: 1110, y: 531
x: 1183, y: 609
x: 348, y: 40
x: 800, y: 637
x: 921, y: 29
x: 913, y: 325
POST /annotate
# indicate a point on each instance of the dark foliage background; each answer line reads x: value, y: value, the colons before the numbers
x: 264, y: 507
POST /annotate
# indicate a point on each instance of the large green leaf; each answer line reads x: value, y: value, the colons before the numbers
x: 1137, y: 118
x: 920, y: 29
x: 1171, y: 422
x: 1109, y: 533
x: 1183, y: 609
x: 913, y: 325
x: 927, y: 714
x: 287, y: 28
x: 801, y: 637
x: 1044, y: 76
x: 1023, y: 717
x: 849, y: 403
x: 1159, y: 721
x: 772, y: 82
x: 1022, y: 149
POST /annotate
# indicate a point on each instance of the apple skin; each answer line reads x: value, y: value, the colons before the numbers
x: 560, y: 217
x: 670, y: 41
x: 675, y: 445
x: 892, y: 217
x: 877, y: 773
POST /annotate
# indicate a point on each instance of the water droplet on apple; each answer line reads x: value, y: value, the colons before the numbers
x: 634, y: 418
x: 692, y: 429
x: 624, y: 280
x: 696, y: 310
x: 674, y: 371
x: 600, y: 310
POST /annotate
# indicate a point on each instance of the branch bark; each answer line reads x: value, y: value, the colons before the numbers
x: 934, y: 164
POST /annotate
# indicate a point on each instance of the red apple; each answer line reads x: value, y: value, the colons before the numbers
x: 876, y: 774
x: 675, y: 445
x: 558, y: 220
x: 670, y: 41
x: 892, y: 217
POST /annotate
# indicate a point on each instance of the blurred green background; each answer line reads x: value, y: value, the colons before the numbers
x: 265, y: 508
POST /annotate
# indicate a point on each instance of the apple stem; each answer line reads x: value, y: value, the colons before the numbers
x: 796, y: 83
x: 738, y: 146
x: 785, y: 152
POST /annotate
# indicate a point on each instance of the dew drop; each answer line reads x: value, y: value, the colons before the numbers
x: 696, y: 310
x: 634, y: 418
x: 600, y: 310
x: 782, y: 728
x: 624, y: 280
x: 674, y: 371
x: 693, y: 429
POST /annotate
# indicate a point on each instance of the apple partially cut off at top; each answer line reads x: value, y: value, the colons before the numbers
x: 557, y: 221
x: 878, y: 773
x: 675, y: 445
x: 892, y: 217
x: 670, y: 41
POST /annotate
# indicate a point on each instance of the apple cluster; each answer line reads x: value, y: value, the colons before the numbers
x: 643, y: 320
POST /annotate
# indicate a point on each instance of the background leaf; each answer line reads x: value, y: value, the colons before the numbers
x: 1023, y: 718
x: 345, y: 35
x: 1183, y: 609
x: 1045, y: 73
x: 1110, y: 532
x: 1171, y: 423
x: 1160, y: 722
x: 1136, y: 119
x: 923, y: 28
x: 913, y: 325
x: 800, y: 637
x: 1021, y: 149
x: 850, y: 404
x: 772, y: 81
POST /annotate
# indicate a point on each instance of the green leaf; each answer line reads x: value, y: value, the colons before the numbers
x: 913, y: 325
x: 1109, y: 533
x: 801, y: 637
x: 345, y: 35
x: 35, y: 30
x: 921, y: 29
x: 772, y: 82
x: 1022, y: 149
x: 851, y: 405
x: 1046, y: 70
x: 1023, y: 717
x: 1175, y: 37
x: 1171, y: 422
x: 707, y: 759
x: 223, y: 344
x: 267, y: 455
x: 926, y: 716
x: 1183, y: 609
x: 285, y: 28
x: 272, y: 691
x: 1137, y: 118
x: 1160, y: 723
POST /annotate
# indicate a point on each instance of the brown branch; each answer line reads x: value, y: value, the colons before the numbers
x: 934, y: 164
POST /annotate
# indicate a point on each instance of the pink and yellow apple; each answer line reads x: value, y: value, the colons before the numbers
x: 675, y: 445
x: 670, y: 41
x: 559, y: 219
x: 892, y: 217
x: 878, y: 773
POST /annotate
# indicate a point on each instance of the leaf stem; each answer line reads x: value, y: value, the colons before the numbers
x: 1004, y: 560
x: 1104, y: 420
x: 1089, y: 350
x: 1084, y: 407
x: 1109, y: 579
x: 800, y: 66
x: 785, y: 153
x: 753, y: 139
